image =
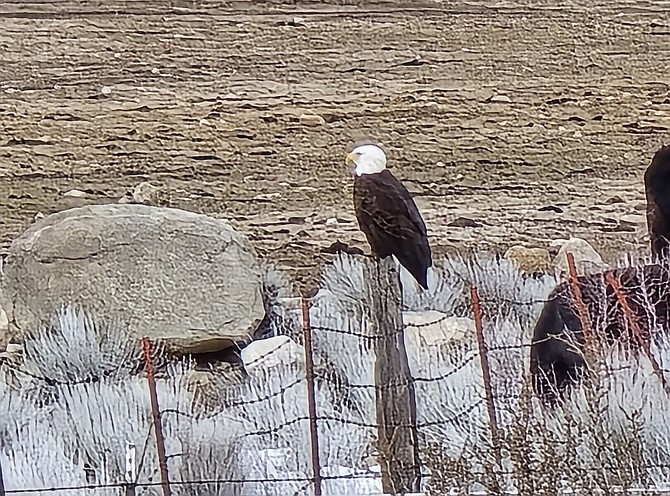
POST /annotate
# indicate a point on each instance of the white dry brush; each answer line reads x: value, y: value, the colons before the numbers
x: 75, y: 399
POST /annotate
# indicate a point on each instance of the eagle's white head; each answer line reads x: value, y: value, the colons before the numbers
x: 367, y: 159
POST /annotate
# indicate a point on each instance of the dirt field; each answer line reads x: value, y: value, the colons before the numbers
x: 513, y: 122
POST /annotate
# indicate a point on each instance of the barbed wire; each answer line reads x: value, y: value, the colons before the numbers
x: 473, y: 355
x: 247, y: 480
x: 467, y: 359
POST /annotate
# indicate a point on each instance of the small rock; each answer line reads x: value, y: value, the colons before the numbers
x: 331, y: 221
x: 146, y: 193
x: 620, y: 227
x: 75, y: 193
x: 38, y: 216
x: 268, y: 353
x: 499, y: 99
x: 106, y: 90
x: 339, y: 247
x: 266, y: 196
x: 633, y: 219
x: 463, y: 222
x: 529, y: 260
x: 587, y: 259
x: 551, y: 208
x: 345, y: 218
x: 261, y: 150
x: 311, y: 120
x: 614, y: 199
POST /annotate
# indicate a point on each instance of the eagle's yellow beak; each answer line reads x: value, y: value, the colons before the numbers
x: 351, y: 159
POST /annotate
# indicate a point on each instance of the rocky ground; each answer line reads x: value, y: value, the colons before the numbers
x: 513, y: 122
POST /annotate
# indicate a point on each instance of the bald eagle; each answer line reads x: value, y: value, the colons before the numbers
x: 387, y: 214
x: 657, y: 190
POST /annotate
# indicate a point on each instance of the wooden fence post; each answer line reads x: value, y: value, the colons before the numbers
x: 311, y: 396
x: 394, y: 387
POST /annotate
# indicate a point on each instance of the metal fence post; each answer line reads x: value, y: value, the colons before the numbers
x: 158, y: 428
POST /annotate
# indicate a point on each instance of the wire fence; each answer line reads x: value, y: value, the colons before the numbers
x: 410, y: 436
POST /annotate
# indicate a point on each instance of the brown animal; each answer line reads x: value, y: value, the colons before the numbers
x: 556, y: 359
x: 657, y: 190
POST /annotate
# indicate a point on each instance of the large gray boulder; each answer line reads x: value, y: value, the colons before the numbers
x: 185, y: 279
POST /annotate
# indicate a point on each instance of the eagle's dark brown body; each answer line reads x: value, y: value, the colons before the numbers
x: 391, y: 222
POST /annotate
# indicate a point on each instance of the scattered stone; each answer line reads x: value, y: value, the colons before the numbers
x: 38, y: 216
x: 146, y: 193
x: 345, y: 218
x: 587, y: 259
x: 293, y: 22
x: 268, y: 353
x: 143, y: 193
x: 339, y: 247
x: 262, y: 151
x: 499, y: 99
x: 184, y: 279
x: 614, y: 199
x: 550, y: 208
x: 311, y: 120
x: 75, y: 193
x: 415, y: 62
x: 106, y: 90
x: 331, y: 221
x: 464, y: 222
x: 633, y: 220
x: 290, y: 229
x: 620, y: 227
x: 529, y: 260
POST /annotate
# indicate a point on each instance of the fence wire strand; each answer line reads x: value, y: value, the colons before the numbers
x: 468, y: 359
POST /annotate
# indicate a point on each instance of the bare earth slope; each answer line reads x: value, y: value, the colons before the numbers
x: 529, y: 120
